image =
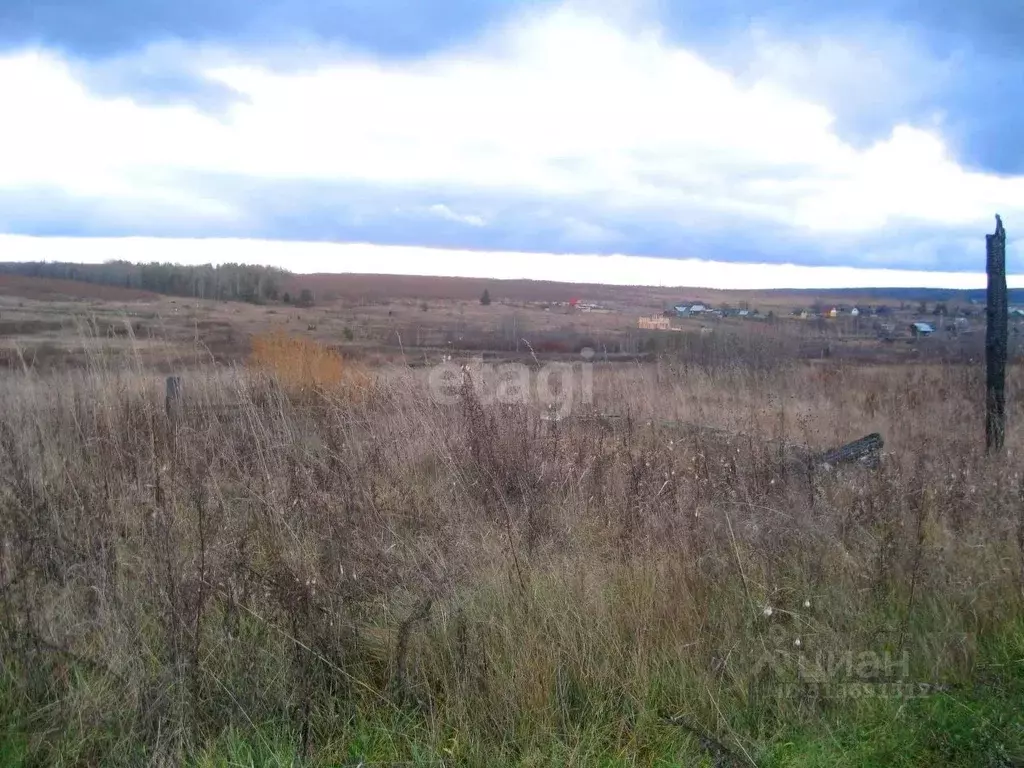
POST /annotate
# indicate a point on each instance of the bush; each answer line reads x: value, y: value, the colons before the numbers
x: 305, y: 366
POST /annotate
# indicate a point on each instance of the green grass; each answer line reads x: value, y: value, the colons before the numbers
x: 593, y: 706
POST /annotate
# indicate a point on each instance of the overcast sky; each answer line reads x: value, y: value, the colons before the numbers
x: 876, y: 134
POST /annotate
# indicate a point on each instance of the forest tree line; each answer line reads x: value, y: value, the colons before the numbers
x: 228, y: 282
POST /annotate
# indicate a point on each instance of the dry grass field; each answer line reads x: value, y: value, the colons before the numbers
x: 312, y: 559
x: 419, y: 320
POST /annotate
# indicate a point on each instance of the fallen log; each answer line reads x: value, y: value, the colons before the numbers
x: 865, y: 451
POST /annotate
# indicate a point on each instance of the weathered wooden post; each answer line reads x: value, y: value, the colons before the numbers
x: 173, y: 395
x: 996, y: 332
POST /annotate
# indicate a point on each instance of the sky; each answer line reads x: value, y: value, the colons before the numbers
x: 869, y: 142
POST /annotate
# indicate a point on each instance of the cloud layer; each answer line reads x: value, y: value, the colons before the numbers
x: 554, y: 129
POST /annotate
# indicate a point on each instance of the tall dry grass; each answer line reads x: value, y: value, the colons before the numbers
x: 337, y: 579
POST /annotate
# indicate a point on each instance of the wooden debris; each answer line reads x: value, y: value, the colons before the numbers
x: 866, y: 451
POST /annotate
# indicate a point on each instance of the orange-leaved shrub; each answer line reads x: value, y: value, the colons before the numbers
x: 304, y: 366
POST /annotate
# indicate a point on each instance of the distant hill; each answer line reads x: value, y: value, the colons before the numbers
x: 243, y: 282
x: 371, y: 286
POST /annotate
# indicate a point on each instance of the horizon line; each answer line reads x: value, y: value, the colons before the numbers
x: 338, y: 258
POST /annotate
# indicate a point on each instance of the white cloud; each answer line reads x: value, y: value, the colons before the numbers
x: 55, y: 135
x: 444, y: 212
x: 584, y: 232
x: 560, y: 105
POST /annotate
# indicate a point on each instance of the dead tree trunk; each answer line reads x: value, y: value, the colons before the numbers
x: 996, y: 332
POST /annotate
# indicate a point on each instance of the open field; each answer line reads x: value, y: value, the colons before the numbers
x: 50, y: 289
x: 419, y: 320
x: 313, y: 559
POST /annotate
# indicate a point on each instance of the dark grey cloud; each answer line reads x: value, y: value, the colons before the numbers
x: 102, y: 28
x: 969, y: 63
x: 110, y: 39
x: 874, y: 63
x: 99, y: 28
x: 993, y: 26
x: 157, y: 77
x: 49, y: 211
x: 916, y: 59
x: 357, y: 213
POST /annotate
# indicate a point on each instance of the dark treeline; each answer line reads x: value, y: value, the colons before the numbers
x: 231, y: 282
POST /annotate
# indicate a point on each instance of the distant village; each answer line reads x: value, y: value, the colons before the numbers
x: 882, y: 320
